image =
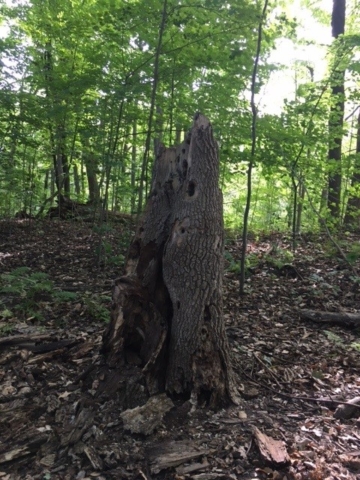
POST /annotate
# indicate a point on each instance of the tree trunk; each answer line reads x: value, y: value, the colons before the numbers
x: 57, y: 134
x: 167, y: 308
x: 178, y: 135
x: 62, y: 164
x: 152, y: 105
x: 253, y: 150
x: 300, y: 204
x: 91, y: 165
x: 352, y: 217
x: 133, y: 166
x: 158, y: 130
x: 77, y: 180
x: 336, y: 116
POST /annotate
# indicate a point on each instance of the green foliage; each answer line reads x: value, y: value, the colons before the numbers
x: 6, y: 329
x: 24, y: 291
x: 353, y: 254
x: 97, y: 309
x: 77, y: 87
x: 5, y: 313
x: 321, y: 286
x: 350, y: 247
x: 356, y: 346
x: 64, y: 296
x: 279, y: 257
x: 333, y: 337
x: 103, y: 229
x: 105, y: 255
x: 337, y: 340
x: 233, y: 266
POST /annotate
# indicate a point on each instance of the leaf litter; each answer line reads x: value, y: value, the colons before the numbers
x: 299, y: 378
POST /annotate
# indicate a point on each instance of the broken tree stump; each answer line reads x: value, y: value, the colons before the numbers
x: 167, y: 316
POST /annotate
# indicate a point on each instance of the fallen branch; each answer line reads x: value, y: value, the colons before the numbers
x: 350, y: 410
x: 341, y: 318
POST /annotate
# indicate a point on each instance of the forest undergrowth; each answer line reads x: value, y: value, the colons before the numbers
x: 294, y: 372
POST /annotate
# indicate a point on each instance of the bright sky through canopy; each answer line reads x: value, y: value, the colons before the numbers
x: 282, y: 84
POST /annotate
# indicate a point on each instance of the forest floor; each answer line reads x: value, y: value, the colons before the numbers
x: 55, y: 290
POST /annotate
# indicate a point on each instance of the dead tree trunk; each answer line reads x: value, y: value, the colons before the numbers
x: 167, y: 308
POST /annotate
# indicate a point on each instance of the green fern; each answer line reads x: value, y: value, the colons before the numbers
x: 96, y: 310
x: 64, y: 296
x: 18, y: 272
x: 28, y: 289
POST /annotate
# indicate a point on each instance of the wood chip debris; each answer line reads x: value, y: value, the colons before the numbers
x: 271, y: 450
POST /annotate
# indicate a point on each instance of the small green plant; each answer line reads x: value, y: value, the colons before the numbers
x: 23, y: 291
x: 116, y: 259
x: 97, y: 309
x: 4, y: 311
x: 104, y: 254
x: 252, y: 261
x: 354, y: 254
x: 355, y: 346
x: 320, y: 285
x: 125, y: 239
x: 102, y: 229
x: 351, y: 249
x: 334, y: 338
x: 355, y: 278
x: 64, y: 296
x: 337, y: 340
x: 280, y: 257
x: 329, y: 249
x: 6, y: 329
x: 232, y: 265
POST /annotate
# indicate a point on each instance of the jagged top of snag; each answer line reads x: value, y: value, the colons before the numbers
x: 201, y: 121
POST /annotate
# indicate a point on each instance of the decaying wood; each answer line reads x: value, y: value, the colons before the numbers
x: 342, y: 318
x: 173, y: 454
x: 45, y: 357
x: 31, y: 447
x: 146, y: 418
x: 194, y: 467
x: 42, y: 349
x: 50, y: 347
x: 93, y: 457
x: 25, y: 339
x: 350, y: 410
x: 83, y: 421
x: 271, y: 450
x: 167, y: 309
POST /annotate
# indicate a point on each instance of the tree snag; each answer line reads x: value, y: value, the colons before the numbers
x: 167, y: 309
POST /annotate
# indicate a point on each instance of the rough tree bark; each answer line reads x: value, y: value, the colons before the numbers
x: 336, y: 120
x: 352, y: 217
x: 167, y: 309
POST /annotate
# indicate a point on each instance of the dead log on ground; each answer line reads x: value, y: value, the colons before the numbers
x: 352, y: 409
x: 341, y: 318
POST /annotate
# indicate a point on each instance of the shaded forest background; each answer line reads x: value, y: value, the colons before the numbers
x: 89, y: 89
